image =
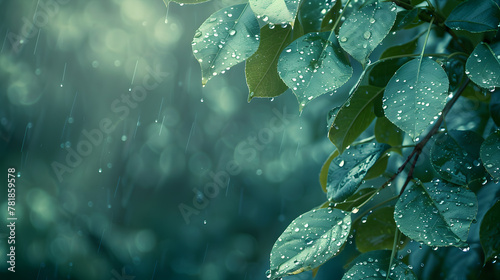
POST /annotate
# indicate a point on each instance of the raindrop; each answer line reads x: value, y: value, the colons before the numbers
x: 197, y: 34
x: 344, y: 39
x: 232, y: 32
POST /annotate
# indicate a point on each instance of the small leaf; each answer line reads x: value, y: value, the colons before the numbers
x: 407, y: 19
x: 489, y: 233
x: 261, y: 69
x: 323, y: 175
x: 309, y: 241
x: 374, y: 265
x: 495, y: 108
x: 475, y: 16
x: 363, y: 31
x: 378, y: 168
x: 483, y: 66
x: 455, y: 156
x: 407, y: 48
x: 354, y: 117
x: 376, y: 232
x: 313, y: 65
x: 312, y: 13
x: 331, y: 17
x: 490, y: 154
x: 348, y: 170
x: 275, y: 11
x: 387, y: 132
x: 436, y: 213
x: 415, y: 95
x: 383, y: 70
x: 225, y: 39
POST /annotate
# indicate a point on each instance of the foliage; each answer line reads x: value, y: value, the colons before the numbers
x: 401, y: 98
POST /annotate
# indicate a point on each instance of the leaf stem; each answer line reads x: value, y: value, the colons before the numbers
x: 340, y: 16
x: 394, y: 251
x: 375, y: 207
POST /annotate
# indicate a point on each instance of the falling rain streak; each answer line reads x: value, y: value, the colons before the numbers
x: 133, y: 75
x: 4, y: 40
x: 64, y: 74
x: 37, y: 39
x: 191, y: 132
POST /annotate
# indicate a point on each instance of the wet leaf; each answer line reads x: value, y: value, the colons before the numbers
x: 309, y: 241
x: 313, y: 65
x: 332, y: 16
x: 261, y: 68
x: 323, y: 175
x: 407, y: 19
x: 483, y: 66
x: 489, y: 233
x: 275, y: 11
x: 375, y: 265
x: 455, y: 156
x: 354, y: 117
x: 378, y: 168
x: 383, y: 70
x: 415, y: 95
x: 387, y: 132
x: 376, y: 232
x: 312, y: 13
x: 436, y: 213
x: 475, y: 16
x: 225, y: 39
x: 490, y: 154
x: 348, y: 170
x: 363, y: 31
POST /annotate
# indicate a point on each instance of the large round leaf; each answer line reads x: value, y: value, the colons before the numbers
x: 455, y: 156
x: 415, y: 95
x: 483, y: 65
x: 490, y: 232
x: 363, y: 31
x: 475, y: 16
x: 309, y: 241
x: 347, y: 171
x: 261, y: 69
x: 490, y: 154
x: 374, y: 265
x: 436, y: 213
x: 313, y: 65
x: 226, y: 38
x: 275, y: 11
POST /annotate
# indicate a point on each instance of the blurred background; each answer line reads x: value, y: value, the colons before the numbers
x: 114, y: 141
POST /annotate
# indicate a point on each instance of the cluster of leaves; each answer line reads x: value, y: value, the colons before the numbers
x: 308, y: 46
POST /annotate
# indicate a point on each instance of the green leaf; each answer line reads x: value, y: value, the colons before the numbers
x: 407, y: 19
x: 355, y: 200
x: 387, y: 132
x: 376, y: 232
x: 347, y: 171
x: 364, y: 30
x: 323, y: 175
x: 312, y: 13
x: 455, y: 156
x: 475, y: 16
x: 383, y: 70
x: 275, y: 11
x: 415, y: 95
x: 309, y: 241
x: 374, y: 265
x: 490, y: 154
x: 225, y: 39
x: 489, y: 233
x: 436, y: 213
x: 378, y: 168
x: 313, y: 65
x: 495, y: 108
x: 483, y: 65
x: 354, y: 117
x: 455, y: 70
x: 407, y: 48
x: 261, y: 69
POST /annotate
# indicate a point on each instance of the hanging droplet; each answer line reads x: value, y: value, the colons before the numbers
x: 232, y: 32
